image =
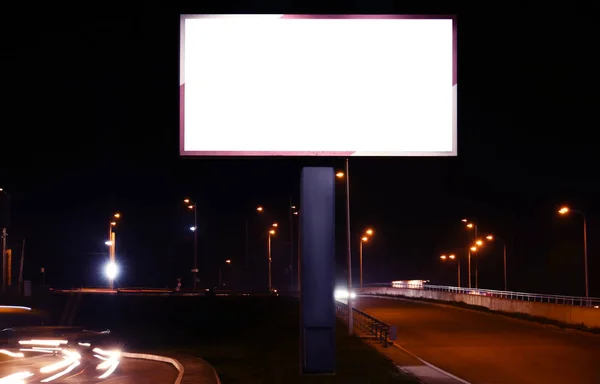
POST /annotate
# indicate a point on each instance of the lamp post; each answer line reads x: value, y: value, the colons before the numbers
x: 564, y: 211
x: 363, y: 239
x: 194, y: 207
x: 271, y: 233
x: 473, y: 226
x: 221, y: 273
x: 291, y: 211
x: 346, y: 175
x: 112, y: 243
x: 491, y: 238
x: 478, y: 243
x: 259, y: 209
x: 453, y: 257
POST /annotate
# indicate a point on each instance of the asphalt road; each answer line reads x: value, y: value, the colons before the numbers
x: 129, y: 371
x: 484, y: 348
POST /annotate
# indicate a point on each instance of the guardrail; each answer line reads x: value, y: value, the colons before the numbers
x: 383, y: 332
x: 523, y: 296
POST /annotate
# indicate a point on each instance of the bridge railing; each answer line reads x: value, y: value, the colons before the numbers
x: 523, y: 296
x: 368, y: 324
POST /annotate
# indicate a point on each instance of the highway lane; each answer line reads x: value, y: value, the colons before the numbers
x: 129, y: 371
x: 484, y: 348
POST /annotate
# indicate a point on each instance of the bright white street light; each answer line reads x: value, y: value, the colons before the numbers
x: 108, y: 242
x: 111, y: 270
x: 192, y: 229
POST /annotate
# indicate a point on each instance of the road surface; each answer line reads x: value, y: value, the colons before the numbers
x: 129, y: 371
x: 483, y: 348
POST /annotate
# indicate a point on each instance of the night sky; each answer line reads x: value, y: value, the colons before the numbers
x: 89, y: 127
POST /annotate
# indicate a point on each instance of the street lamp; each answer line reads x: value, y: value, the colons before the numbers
x: 293, y: 210
x: 473, y: 226
x: 221, y: 273
x: 564, y: 211
x: 453, y: 257
x: 363, y: 239
x: 191, y: 205
x: 492, y: 238
x: 271, y: 233
x: 346, y: 175
x: 259, y: 209
x: 111, y: 271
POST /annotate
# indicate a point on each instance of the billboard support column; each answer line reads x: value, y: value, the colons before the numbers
x: 317, y: 270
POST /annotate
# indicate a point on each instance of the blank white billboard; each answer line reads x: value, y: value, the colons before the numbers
x: 302, y: 85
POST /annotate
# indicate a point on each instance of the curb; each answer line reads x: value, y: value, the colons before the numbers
x: 184, y: 375
x: 198, y: 370
x: 435, y: 368
x: 178, y: 366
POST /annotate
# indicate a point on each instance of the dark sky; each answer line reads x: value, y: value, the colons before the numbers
x: 89, y: 126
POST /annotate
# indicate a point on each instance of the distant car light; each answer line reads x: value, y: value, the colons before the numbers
x: 342, y: 294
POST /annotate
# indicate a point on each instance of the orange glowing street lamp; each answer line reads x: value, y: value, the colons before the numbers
x: 471, y: 225
x: 453, y: 257
x: 191, y: 205
x: 363, y: 239
x: 271, y: 233
x: 339, y: 175
x: 492, y: 238
x: 564, y: 211
x: 221, y: 273
x: 112, y: 247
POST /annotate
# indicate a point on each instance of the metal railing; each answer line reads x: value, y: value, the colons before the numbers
x: 365, y: 323
x: 523, y: 296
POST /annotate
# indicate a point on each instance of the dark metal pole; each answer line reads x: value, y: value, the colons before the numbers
x: 505, y: 284
x: 585, y: 255
x: 195, y: 246
x: 458, y: 262
x: 246, y: 276
x: 291, y: 244
x: 469, y: 267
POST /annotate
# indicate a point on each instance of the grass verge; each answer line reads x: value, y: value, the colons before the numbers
x: 515, y: 315
x: 249, y: 340
x: 277, y: 361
